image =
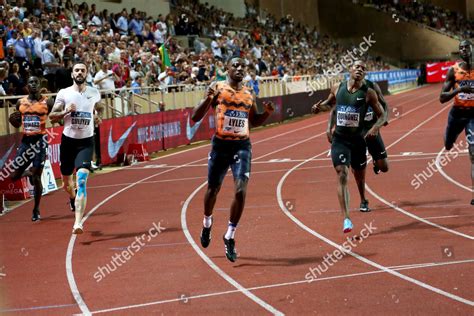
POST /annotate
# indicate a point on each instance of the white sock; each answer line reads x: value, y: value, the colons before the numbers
x: 207, y: 222
x: 230, y: 231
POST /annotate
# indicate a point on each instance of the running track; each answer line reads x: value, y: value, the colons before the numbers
x: 419, y: 260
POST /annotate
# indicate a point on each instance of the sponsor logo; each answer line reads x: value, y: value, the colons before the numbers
x: 445, y: 68
x: 191, y: 131
x: 430, y: 73
x: 114, y: 146
x: 358, y: 99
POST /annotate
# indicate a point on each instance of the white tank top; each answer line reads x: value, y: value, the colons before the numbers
x: 80, y: 123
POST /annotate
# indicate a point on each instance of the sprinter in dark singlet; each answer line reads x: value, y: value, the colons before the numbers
x: 348, y: 148
x: 375, y: 145
x: 459, y: 85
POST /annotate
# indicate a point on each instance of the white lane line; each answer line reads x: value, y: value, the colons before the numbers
x: 69, y: 269
x: 355, y: 255
x: 211, y: 263
x: 446, y: 176
x: 401, y: 210
x: 70, y: 249
x: 359, y: 257
x: 277, y: 285
x: 70, y: 275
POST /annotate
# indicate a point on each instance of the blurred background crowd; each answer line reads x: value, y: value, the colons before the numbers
x: 122, y: 49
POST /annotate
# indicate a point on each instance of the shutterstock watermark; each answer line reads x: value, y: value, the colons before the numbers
x: 120, y: 258
x: 420, y: 178
x: 332, y: 258
x: 344, y: 63
x: 35, y: 148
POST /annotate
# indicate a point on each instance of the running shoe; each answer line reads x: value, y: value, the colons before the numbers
x: 205, y: 236
x: 364, y: 206
x: 36, y: 216
x: 376, y: 168
x: 77, y: 229
x: 347, y: 225
x: 230, y: 249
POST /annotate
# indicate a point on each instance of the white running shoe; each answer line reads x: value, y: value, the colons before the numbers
x: 77, y: 229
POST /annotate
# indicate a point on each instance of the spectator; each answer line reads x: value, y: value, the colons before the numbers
x: 50, y: 65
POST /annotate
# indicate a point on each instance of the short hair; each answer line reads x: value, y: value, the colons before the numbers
x: 80, y: 62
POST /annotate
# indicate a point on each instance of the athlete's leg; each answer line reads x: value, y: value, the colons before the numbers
x: 456, y: 125
x: 359, y: 176
x: 81, y: 197
x: 38, y: 186
x: 83, y: 166
x: 342, y: 190
x: 218, y: 164
x: 377, y: 150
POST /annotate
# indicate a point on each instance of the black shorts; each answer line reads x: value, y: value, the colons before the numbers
x: 348, y: 151
x: 32, y: 149
x: 459, y: 119
x: 376, y: 147
x: 236, y: 154
x: 75, y: 154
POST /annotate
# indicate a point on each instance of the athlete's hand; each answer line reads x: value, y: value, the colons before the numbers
x: 467, y: 89
x: 70, y: 108
x: 211, y: 92
x: 97, y: 120
x: 268, y: 106
x: 315, y: 108
x: 329, y: 135
x: 373, y: 132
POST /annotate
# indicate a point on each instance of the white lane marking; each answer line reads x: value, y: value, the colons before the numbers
x: 355, y: 255
x: 277, y: 285
x: 446, y: 176
x: 401, y: 210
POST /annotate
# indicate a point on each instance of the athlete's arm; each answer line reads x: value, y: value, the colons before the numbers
x: 382, y: 102
x: 328, y: 103
x: 331, y: 124
x: 446, y: 93
x: 373, y: 101
x: 210, y: 98
x: 257, y: 119
x: 60, y: 109
x: 50, y: 104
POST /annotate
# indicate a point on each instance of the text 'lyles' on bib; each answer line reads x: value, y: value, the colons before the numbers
x: 236, y: 122
x: 31, y: 123
x: 80, y: 120
x: 347, y: 116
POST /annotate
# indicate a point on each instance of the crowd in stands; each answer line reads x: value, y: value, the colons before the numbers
x: 122, y: 49
x: 444, y: 20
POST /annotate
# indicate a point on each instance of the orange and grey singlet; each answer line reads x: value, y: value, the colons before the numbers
x: 33, y: 116
x: 232, y: 112
x: 463, y: 77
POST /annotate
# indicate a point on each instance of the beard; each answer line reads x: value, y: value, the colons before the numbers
x: 79, y: 81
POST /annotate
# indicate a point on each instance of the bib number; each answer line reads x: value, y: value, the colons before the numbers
x: 347, y: 119
x: 80, y: 120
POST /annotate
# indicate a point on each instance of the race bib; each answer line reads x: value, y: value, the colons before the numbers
x: 236, y: 122
x: 347, y: 116
x: 31, y: 123
x: 80, y: 120
x: 466, y: 96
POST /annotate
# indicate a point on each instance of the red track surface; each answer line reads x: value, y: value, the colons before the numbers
x: 424, y: 235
